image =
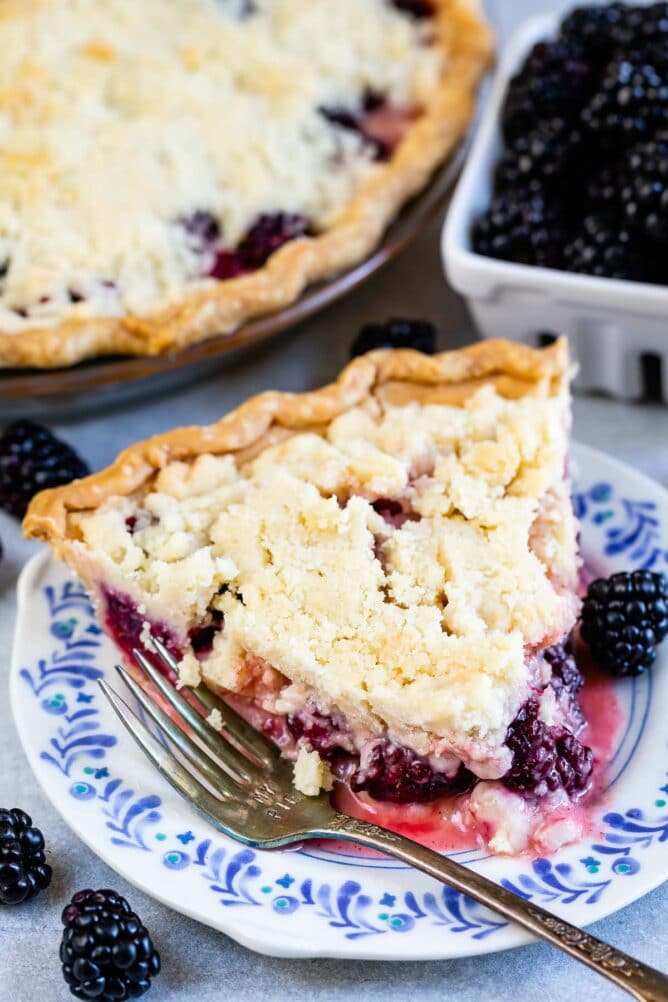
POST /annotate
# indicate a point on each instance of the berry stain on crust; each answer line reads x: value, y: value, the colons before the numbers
x: 106, y: 952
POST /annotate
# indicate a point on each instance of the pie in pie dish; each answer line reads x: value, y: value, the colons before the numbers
x: 169, y: 170
x: 381, y: 574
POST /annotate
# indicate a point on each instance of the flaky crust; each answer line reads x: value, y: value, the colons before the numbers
x: 204, y: 313
x: 391, y: 377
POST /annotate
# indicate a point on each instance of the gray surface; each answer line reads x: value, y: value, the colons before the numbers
x: 199, y: 964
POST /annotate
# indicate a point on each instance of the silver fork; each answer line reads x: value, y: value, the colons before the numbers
x: 256, y: 803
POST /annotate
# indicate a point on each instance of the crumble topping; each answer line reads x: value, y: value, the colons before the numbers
x: 421, y: 627
x: 120, y: 120
x: 311, y: 774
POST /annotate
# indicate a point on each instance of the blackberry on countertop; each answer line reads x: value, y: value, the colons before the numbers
x: 624, y: 618
x: 645, y: 193
x: 522, y: 225
x: 398, y: 333
x: 32, y: 459
x: 604, y: 248
x: 106, y: 952
x: 24, y: 871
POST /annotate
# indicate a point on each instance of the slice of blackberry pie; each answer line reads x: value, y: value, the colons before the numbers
x: 381, y: 575
x: 171, y: 170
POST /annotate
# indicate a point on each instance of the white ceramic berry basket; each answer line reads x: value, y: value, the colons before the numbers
x: 618, y: 330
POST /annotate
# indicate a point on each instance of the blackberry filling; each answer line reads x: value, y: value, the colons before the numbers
x: 266, y: 235
x: 396, y: 773
x: 545, y: 759
x: 202, y: 637
x: 126, y: 625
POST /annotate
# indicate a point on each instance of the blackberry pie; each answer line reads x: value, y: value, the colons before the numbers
x: 381, y: 575
x: 170, y: 170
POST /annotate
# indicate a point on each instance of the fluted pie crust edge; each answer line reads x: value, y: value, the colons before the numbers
x: 391, y: 377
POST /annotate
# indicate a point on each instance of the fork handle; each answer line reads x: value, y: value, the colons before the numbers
x: 639, y: 980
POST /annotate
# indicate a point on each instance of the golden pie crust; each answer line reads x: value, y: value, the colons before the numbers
x: 467, y: 39
x: 390, y: 377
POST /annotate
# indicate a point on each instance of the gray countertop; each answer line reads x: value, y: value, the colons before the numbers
x: 198, y: 963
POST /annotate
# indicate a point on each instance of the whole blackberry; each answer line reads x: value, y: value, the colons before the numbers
x: 32, y: 459
x: 546, y: 154
x: 394, y: 772
x: 416, y: 8
x: 645, y: 194
x: 592, y: 29
x: 521, y: 225
x: 554, y: 81
x: 106, y: 952
x: 604, y: 248
x: 630, y: 105
x: 397, y: 333
x: 545, y: 758
x: 624, y: 618
x: 24, y: 871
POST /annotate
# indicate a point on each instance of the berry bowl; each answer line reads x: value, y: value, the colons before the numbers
x: 616, y: 327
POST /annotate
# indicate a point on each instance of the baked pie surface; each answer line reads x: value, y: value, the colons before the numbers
x: 387, y: 559
x: 171, y: 170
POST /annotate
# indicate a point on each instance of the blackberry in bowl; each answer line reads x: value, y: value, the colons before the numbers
x: 592, y: 102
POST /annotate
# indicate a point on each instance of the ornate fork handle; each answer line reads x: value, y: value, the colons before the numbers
x: 639, y: 980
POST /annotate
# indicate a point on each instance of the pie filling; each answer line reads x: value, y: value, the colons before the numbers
x: 533, y: 804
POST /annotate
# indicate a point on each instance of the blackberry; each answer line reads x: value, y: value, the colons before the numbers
x: 394, y: 772
x: 566, y: 681
x: 202, y: 227
x: 604, y: 248
x: 553, y: 82
x: 322, y: 733
x: 603, y: 189
x: 645, y: 194
x: 266, y: 235
x: 624, y: 618
x: 419, y: 335
x: 545, y: 759
x: 630, y: 105
x: 415, y: 8
x: 521, y: 225
x: 592, y: 29
x: 546, y: 155
x: 106, y: 952
x: 32, y: 459
x: 24, y: 871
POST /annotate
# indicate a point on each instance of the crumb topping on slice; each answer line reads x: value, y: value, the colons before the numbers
x: 402, y: 565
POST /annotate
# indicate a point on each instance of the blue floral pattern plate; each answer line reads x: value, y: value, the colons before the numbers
x: 331, y: 902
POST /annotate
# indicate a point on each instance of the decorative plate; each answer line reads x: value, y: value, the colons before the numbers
x: 330, y: 902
